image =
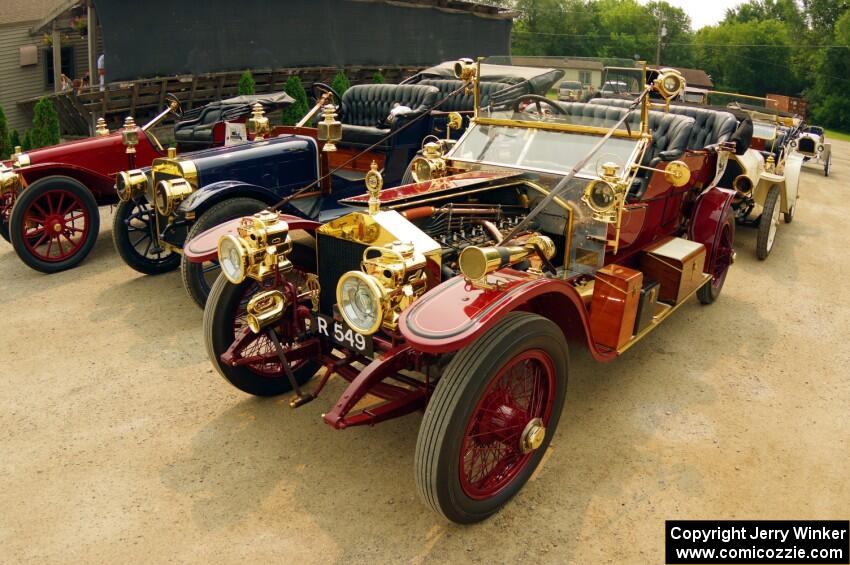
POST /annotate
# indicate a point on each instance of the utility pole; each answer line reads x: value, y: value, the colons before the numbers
x: 662, y: 33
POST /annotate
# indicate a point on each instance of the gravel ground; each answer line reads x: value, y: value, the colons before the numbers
x: 118, y: 443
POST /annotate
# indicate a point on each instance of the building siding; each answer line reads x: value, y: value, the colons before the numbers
x: 22, y: 83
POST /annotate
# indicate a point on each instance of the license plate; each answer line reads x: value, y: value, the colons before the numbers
x: 342, y: 335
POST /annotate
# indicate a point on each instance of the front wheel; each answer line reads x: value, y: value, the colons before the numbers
x: 136, y: 240
x: 827, y: 166
x: 491, y: 418
x: 198, y: 278
x: 724, y: 254
x: 768, y: 224
x: 224, y: 320
x: 54, y: 224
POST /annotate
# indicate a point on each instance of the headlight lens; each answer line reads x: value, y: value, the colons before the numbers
x: 422, y: 170
x: 130, y: 183
x: 359, y: 299
x: 233, y: 259
x: 169, y: 193
x: 9, y: 180
x: 820, y: 148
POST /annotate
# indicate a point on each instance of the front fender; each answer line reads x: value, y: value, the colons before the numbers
x: 102, y: 186
x: 454, y: 314
x: 712, y: 210
x: 207, y: 196
x: 204, y: 247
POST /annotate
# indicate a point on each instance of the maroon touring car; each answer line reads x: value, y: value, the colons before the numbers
x: 546, y: 223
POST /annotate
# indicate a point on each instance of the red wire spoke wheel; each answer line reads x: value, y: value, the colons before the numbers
x: 224, y: 323
x: 54, y: 224
x: 724, y: 254
x: 491, y: 417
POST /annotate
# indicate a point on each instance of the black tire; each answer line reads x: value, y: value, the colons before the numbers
x: 827, y: 166
x: 455, y: 401
x: 219, y: 315
x: 4, y: 228
x: 50, y: 187
x: 198, y: 278
x: 724, y: 251
x: 788, y: 216
x: 135, y: 238
x: 768, y: 223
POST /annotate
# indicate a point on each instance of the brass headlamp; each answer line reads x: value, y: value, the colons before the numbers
x: 130, y: 135
x: 431, y: 164
x: 258, y: 124
x: 391, y: 279
x: 329, y: 129
x: 669, y: 84
x: 261, y: 247
x: 477, y: 262
x: 265, y: 309
x: 101, y: 128
x: 10, y: 181
x: 605, y: 195
x: 131, y: 184
x: 169, y: 193
x: 464, y: 69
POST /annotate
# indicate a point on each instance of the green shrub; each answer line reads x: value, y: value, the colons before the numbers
x: 14, y: 140
x: 378, y: 78
x: 296, y: 110
x: 341, y: 83
x: 26, y: 144
x: 45, y: 124
x: 5, y: 148
x: 247, y: 84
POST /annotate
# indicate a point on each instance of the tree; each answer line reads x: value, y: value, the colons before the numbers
x: 247, y: 84
x: 677, y: 44
x: 5, y: 142
x: 378, y: 78
x: 295, y: 111
x: 26, y: 144
x: 14, y: 140
x: 341, y: 83
x: 45, y: 124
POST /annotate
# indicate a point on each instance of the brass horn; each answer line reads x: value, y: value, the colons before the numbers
x: 477, y: 262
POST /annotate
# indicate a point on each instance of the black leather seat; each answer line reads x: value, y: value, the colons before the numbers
x: 198, y: 128
x: 461, y: 102
x: 670, y: 132
x: 710, y: 126
x: 364, y: 109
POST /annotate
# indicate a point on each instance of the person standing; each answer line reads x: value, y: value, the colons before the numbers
x: 101, y: 72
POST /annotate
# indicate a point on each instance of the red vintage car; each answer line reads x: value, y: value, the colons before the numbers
x: 49, y: 197
x: 547, y: 223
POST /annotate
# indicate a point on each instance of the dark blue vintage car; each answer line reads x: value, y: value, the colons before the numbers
x: 384, y: 124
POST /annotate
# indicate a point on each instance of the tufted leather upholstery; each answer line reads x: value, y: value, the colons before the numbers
x: 461, y: 102
x: 365, y: 107
x: 670, y: 132
x: 710, y: 127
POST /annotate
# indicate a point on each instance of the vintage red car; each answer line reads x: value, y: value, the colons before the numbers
x: 547, y: 223
x: 49, y: 197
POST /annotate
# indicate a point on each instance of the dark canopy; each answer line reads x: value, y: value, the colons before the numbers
x: 172, y: 37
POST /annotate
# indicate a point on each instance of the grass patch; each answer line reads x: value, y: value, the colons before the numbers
x: 837, y: 135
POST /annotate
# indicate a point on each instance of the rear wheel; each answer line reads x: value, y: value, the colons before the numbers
x: 768, y: 224
x: 54, y: 224
x: 224, y: 320
x: 198, y: 278
x: 724, y: 253
x: 491, y: 418
x: 136, y: 240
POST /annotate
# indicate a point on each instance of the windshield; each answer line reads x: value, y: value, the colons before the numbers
x: 762, y: 130
x: 529, y: 148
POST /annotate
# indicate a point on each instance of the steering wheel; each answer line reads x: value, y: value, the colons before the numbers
x: 537, y: 100
x: 319, y: 89
x: 174, y: 104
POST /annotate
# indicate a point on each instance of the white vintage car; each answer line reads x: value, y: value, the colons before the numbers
x: 812, y: 144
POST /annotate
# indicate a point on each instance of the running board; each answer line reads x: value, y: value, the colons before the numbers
x: 663, y: 310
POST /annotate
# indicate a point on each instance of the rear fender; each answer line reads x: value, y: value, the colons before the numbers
x: 455, y: 314
x: 204, y: 247
x: 712, y: 210
x: 101, y: 186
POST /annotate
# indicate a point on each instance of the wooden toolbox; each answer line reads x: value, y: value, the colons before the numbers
x: 677, y: 265
x: 616, y: 294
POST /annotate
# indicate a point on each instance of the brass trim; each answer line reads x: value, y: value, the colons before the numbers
x: 568, y: 128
